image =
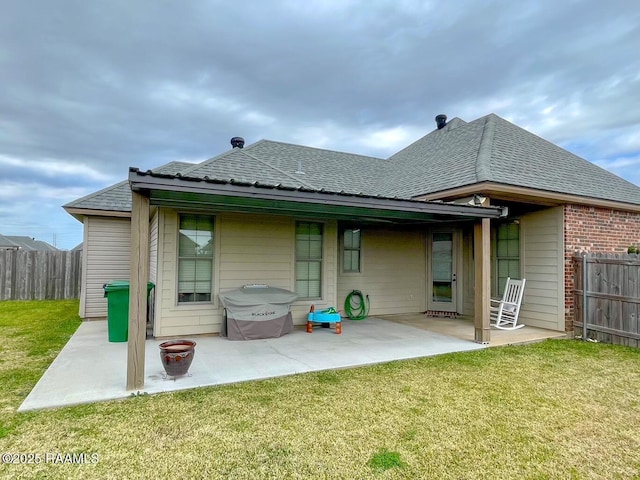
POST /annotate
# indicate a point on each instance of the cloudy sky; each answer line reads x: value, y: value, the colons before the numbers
x: 88, y: 89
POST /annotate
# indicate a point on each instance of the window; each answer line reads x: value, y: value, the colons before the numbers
x: 351, y: 251
x: 195, y: 258
x: 309, y: 259
x: 507, y: 253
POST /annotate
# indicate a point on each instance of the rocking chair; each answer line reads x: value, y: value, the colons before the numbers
x: 504, y: 312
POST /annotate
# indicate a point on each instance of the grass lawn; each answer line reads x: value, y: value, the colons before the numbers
x: 558, y: 409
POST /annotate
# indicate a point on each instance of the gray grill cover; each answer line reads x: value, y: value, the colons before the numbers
x: 253, y: 312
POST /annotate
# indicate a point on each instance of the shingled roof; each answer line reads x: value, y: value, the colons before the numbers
x: 489, y: 149
x: 23, y: 242
x: 296, y: 166
x: 117, y: 197
x: 6, y: 243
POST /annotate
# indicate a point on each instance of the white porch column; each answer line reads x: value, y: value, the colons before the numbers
x: 482, y: 256
x: 139, y: 276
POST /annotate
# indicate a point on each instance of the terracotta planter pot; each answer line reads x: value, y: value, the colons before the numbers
x: 176, y: 356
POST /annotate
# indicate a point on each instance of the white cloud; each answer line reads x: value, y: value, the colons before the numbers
x: 53, y: 168
x: 258, y: 118
x: 388, y: 140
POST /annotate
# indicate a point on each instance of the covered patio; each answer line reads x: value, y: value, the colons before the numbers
x: 90, y: 369
x: 207, y: 194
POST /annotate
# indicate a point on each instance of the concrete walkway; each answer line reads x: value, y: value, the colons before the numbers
x: 90, y: 369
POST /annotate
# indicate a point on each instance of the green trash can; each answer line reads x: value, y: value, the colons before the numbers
x: 117, y: 293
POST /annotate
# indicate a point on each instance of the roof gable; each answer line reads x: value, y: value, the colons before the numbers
x: 521, y: 158
x: 491, y: 149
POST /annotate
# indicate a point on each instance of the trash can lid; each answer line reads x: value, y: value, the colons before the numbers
x: 116, y: 285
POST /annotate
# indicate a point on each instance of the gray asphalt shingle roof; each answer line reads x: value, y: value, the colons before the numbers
x: 489, y: 149
x: 25, y: 243
x: 117, y: 197
x: 7, y: 243
x: 441, y: 160
x: 295, y: 166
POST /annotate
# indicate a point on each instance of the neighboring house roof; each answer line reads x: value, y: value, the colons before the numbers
x: 117, y: 197
x: 487, y: 150
x: 27, y: 243
x: 7, y: 244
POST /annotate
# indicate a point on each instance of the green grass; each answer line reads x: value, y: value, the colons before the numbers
x: 552, y: 410
x: 32, y: 334
x: 384, y: 460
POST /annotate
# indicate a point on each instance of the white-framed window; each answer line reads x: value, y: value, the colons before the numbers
x: 351, y: 250
x: 195, y: 258
x: 507, y: 254
x: 308, y: 272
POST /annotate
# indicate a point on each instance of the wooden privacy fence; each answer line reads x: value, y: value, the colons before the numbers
x: 30, y: 275
x: 607, y: 295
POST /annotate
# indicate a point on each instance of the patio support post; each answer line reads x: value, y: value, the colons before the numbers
x: 139, y: 276
x: 482, y: 255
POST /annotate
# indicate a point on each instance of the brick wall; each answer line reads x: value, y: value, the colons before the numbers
x: 594, y: 229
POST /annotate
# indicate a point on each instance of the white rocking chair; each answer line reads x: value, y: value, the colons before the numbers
x: 504, y: 312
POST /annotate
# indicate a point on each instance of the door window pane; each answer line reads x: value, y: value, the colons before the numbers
x: 442, y: 267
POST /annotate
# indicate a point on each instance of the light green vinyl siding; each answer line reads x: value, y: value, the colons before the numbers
x: 543, y: 267
x: 107, y: 254
x: 393, y: 272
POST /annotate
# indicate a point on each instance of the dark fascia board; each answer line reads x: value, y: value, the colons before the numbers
x: 147, y: 182
x: 81, y: 212
x: 502, y: 191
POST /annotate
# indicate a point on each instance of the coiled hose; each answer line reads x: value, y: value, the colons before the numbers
x: 356, y: 305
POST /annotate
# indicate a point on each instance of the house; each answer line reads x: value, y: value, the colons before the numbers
x: 19, y: 242
x: 7, y: 244
x: 436, y: 227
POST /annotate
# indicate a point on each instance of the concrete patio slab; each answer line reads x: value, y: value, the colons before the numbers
x: 462, y: 328
x: 90, y: 369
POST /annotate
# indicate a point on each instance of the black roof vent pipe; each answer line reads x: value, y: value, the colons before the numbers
x: 441, y: 121
x: 237, y: 142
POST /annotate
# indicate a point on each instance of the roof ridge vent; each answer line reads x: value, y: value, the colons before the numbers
x: 441, y: 121
x: 237, y: 142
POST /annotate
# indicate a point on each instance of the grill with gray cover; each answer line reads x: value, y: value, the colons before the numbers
x: 256, y: 311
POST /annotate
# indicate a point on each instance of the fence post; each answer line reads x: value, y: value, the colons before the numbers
x: 584, y: 297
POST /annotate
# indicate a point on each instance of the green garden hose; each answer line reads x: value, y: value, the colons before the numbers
x: 357, y: 305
